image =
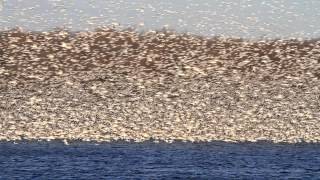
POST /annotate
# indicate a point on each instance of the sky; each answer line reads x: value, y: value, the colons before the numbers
x: 241, y: 18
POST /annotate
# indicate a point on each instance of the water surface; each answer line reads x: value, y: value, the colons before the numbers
x: 54, y: 160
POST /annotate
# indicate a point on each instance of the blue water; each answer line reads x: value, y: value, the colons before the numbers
x: 123, y: 160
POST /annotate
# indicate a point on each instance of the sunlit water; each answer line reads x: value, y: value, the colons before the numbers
x: 155, y: 161
x: 243, y: 18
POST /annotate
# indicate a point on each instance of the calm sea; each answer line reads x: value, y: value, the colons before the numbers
x: 123, y: 160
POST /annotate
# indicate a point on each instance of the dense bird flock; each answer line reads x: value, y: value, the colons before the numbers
x: 113, y: 84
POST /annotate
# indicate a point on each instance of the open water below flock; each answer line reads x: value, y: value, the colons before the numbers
x: 148, y: 160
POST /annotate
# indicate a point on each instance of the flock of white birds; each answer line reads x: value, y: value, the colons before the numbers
x: 113, y: 84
